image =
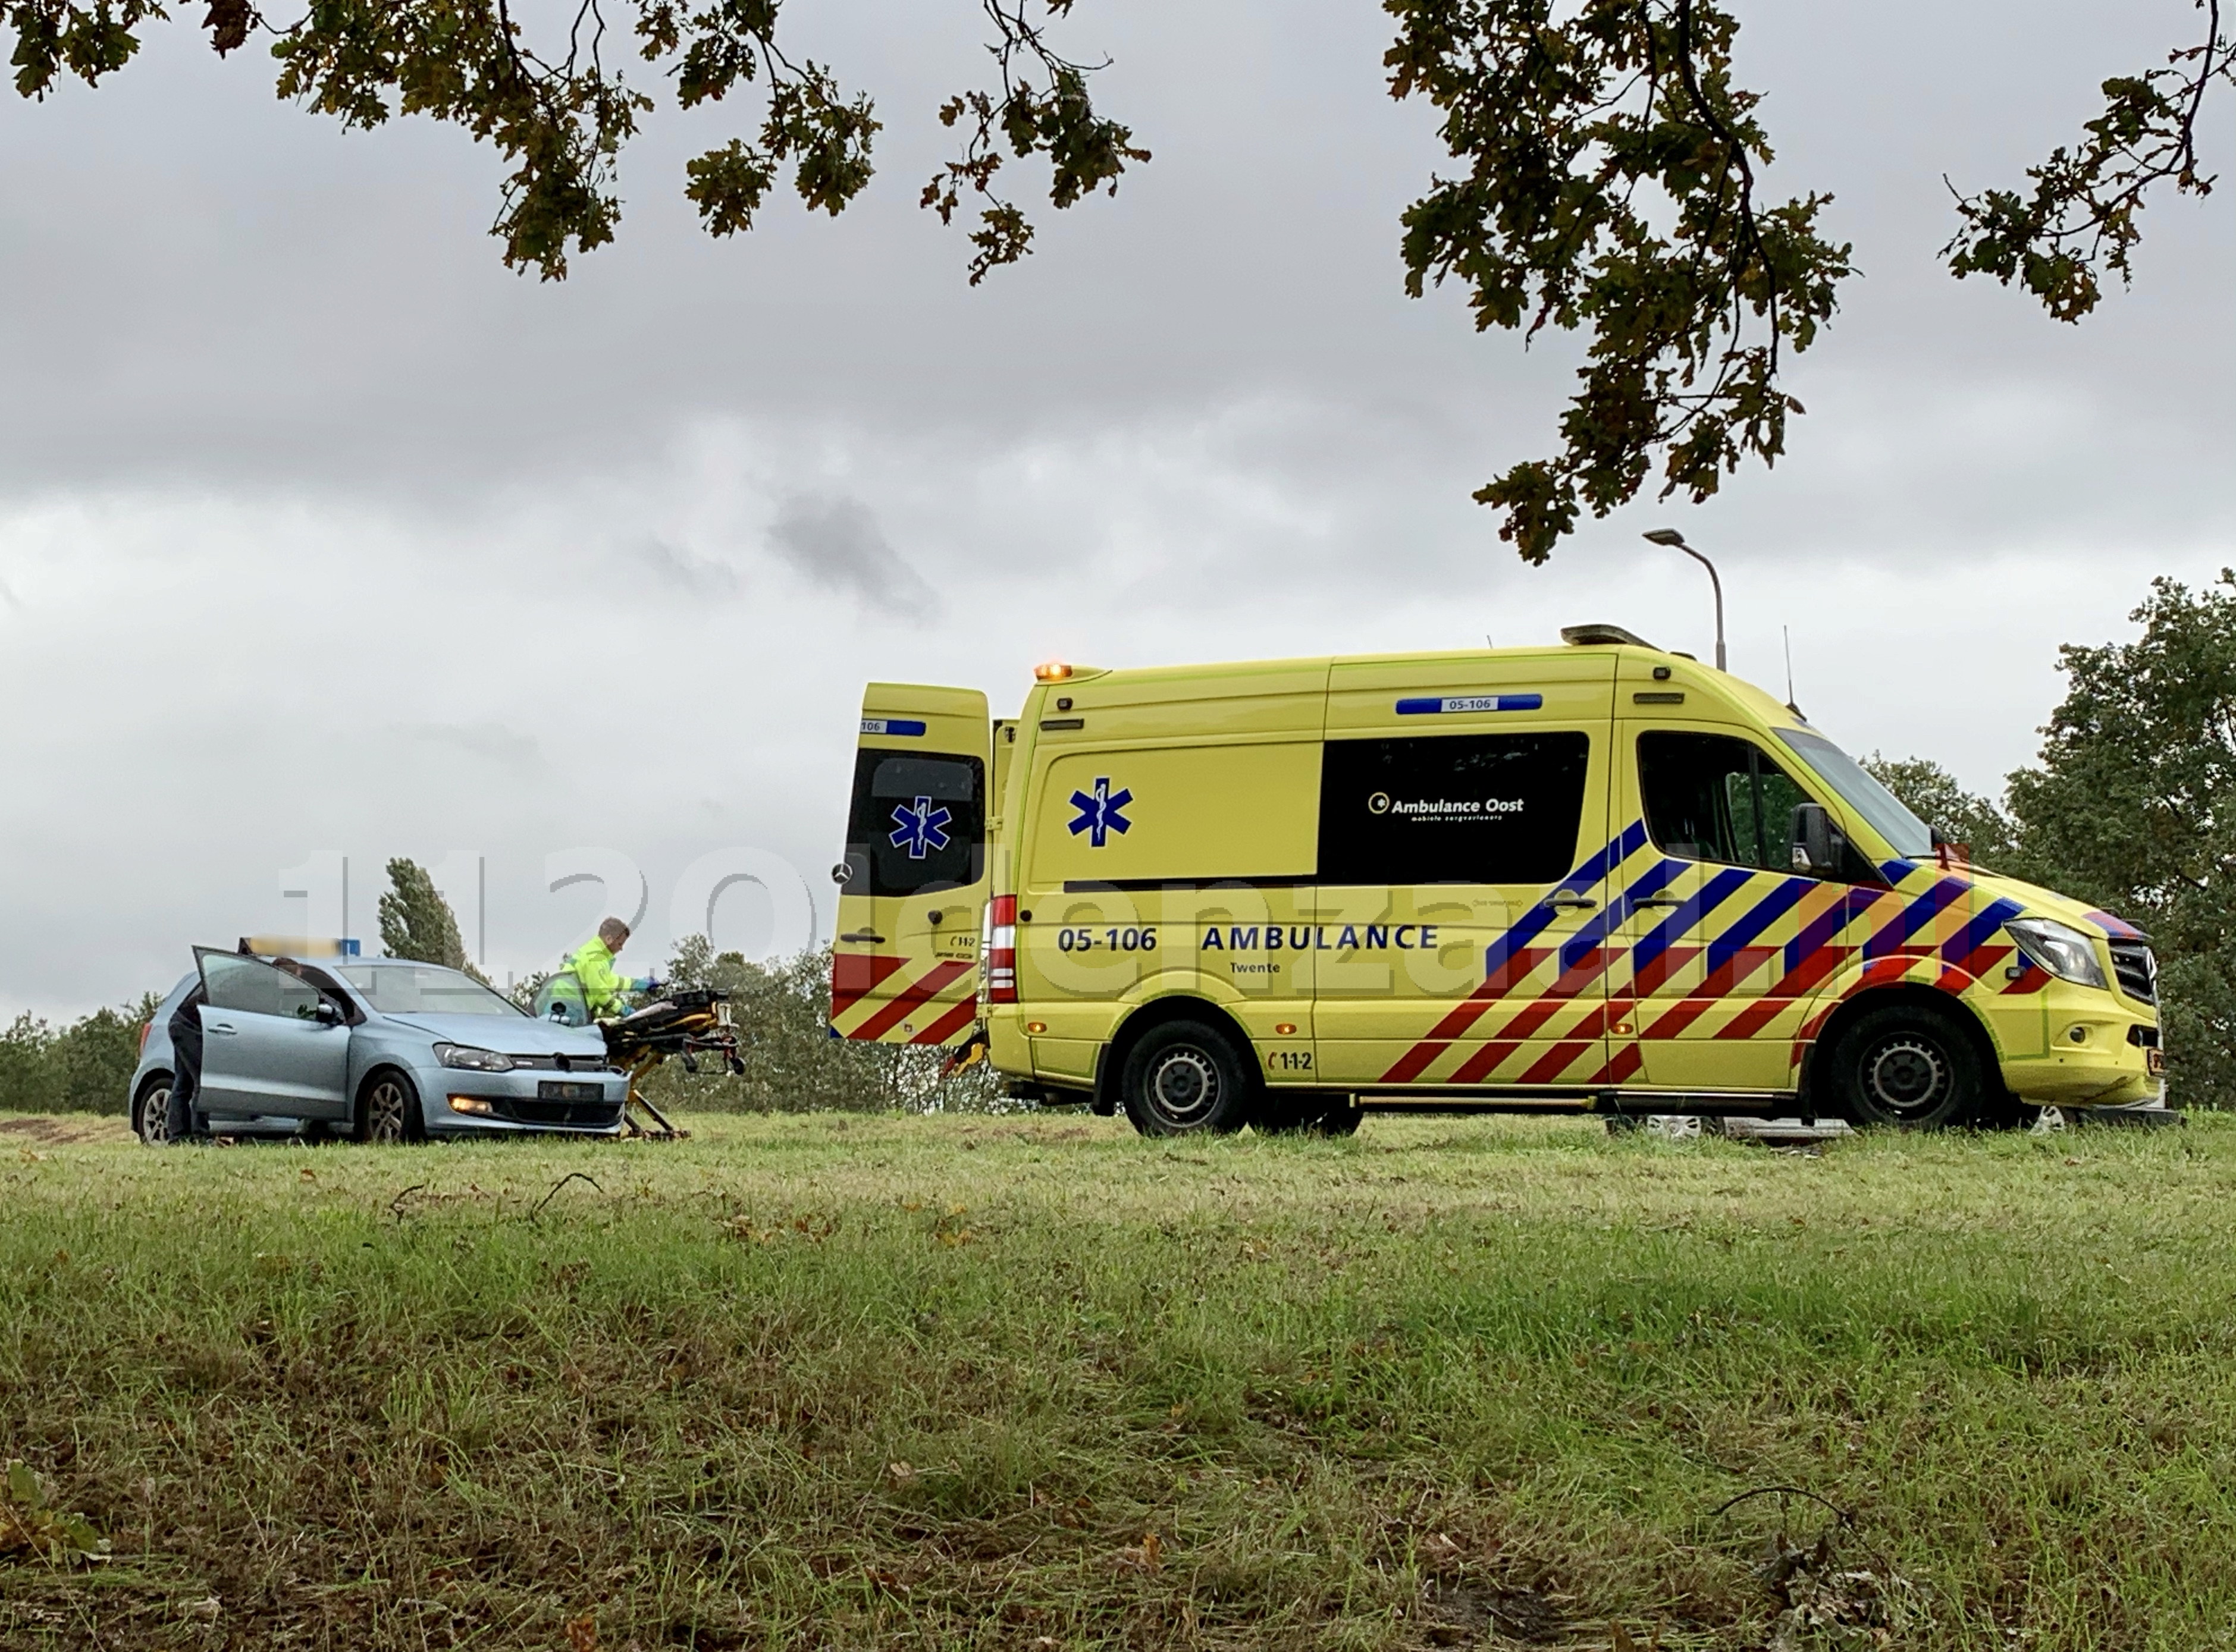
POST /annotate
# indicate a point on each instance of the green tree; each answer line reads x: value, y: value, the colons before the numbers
x: 86, y: 1067
x: 782, y: 1010
x: 417, y: 922
x: 558, y: 106
x: 2134, y: 808
x: 1607, y: 184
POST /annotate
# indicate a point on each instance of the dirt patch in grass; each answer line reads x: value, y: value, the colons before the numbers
x: 64, y: 1129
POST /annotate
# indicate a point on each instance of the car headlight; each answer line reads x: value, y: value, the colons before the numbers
x: 473, y: 1060
x: 2059, y: 948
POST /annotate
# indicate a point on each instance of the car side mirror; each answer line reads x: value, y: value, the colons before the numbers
x: 328, y: 1013
x: 1821, y: 847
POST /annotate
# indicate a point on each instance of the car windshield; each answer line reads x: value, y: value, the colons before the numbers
x: 1905, y: 834
x: 425, y: 989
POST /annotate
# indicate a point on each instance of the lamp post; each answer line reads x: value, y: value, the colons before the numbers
x: 1670, y: 536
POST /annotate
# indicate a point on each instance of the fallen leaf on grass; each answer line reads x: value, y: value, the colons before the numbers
x: 206, y: 1608
x: 1148, y: 1556
x: 582, y: 1633
x: 1441, y: 1548
x: 900, y: 1473
x: 27, y: 1524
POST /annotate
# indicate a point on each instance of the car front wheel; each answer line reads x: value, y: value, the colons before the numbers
x: 1912, y: 1066
x: 389, y: 1113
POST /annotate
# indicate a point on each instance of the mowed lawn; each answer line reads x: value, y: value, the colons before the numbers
x: 1034, y: 1383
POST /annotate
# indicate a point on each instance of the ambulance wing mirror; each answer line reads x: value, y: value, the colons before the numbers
x: 1821, y: 847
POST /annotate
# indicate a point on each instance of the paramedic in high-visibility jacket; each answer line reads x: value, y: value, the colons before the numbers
x: 605, y: 990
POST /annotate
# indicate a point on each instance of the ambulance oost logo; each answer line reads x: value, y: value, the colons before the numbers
x: 1099, y: 813
x: 1379, y: 804
x: 922, y: 829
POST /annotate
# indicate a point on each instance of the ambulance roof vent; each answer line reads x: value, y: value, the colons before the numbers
x: 1602, y: 637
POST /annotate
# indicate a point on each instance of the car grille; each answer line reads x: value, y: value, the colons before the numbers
x: 2137, y: 970
x: 582, y: 1115
x: 561, y: 1064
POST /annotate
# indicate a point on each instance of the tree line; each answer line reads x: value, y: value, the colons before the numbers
x: 2130, y: 806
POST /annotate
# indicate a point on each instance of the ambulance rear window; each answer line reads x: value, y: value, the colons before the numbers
x: 917, y: 823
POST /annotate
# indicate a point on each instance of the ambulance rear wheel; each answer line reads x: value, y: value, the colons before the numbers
x: 1184, y: 1078
x: 1913, y: 1066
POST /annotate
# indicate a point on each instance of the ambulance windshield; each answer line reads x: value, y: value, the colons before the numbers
x: 1905, y: 834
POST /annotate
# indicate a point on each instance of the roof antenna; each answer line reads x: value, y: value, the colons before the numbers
x: 1787, y: 633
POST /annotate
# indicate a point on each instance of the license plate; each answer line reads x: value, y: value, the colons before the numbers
x: 2154, y: 1062
x: 559, y: 1090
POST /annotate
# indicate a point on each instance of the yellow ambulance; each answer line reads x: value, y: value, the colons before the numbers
x: 1592, y: 877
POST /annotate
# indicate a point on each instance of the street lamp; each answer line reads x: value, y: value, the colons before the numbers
x: 1672, y: 537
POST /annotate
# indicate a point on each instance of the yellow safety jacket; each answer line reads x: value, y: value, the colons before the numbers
x: 605, y: 990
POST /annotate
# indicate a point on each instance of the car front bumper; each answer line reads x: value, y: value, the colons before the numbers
x: 533, y: 1102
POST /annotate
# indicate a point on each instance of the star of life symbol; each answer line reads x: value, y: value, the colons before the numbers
x: 1099, y: 813
x: 923, y: 829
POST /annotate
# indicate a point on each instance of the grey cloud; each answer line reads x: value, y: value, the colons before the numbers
x: 493, y: 741
x: 696, y: 576
x: 838, y: 544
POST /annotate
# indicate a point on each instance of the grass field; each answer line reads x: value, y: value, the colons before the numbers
x: 1034, y: 1383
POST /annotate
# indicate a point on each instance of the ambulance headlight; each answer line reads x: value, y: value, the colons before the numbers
x: 2059, y: 948
x: 473, y: 1060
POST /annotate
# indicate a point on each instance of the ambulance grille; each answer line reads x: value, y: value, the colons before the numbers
x: 2137, y: 970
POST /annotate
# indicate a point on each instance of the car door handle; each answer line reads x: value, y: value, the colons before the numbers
x: 861, y: 936
x: 224, y: 1027
x: 1571, y: 902
x: 1659, y: 901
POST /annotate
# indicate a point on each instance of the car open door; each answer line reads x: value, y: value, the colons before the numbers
x: 272, y: 1044
x: 906, y: 969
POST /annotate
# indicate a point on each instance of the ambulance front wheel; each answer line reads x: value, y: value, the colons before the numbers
x: 1912, y: 1066
x: 1184, y: 1078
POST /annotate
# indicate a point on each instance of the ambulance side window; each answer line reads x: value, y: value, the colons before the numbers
x: 1714, y: 797
x: 1499, y: 809
x: 917, y: 823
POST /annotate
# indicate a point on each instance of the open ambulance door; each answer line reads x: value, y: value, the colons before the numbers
x: 905, y: 967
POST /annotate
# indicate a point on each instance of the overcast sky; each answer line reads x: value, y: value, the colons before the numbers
x: 324, y: 536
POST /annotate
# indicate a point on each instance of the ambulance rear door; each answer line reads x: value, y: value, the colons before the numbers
x: 904, y: 969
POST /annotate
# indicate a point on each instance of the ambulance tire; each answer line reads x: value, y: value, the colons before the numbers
x: 1915, y: 1066
x: 1184, y: 1078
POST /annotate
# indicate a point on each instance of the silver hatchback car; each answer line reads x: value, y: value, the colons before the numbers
x: 376, y: 1050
